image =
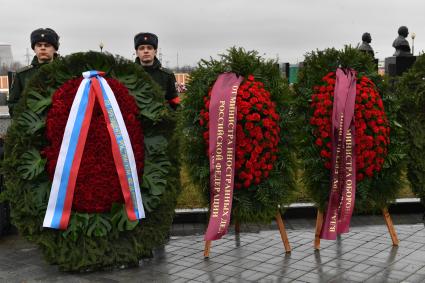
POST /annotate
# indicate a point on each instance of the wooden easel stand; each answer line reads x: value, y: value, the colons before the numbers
x: 282, y: 231
x: 387, y: 218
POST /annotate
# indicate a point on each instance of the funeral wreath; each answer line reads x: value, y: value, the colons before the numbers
x: 264, y: 171
x: 99, y: 234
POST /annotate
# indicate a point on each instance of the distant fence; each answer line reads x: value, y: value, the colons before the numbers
x: 182, y: 78
x: 4, y: 84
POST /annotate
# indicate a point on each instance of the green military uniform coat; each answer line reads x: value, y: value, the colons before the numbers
x: 165, y: 78
x: 19, y: 82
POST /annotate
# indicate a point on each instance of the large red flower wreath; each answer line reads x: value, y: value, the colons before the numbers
x: 97, y: 185
x: 257, y: 132
x: 372, y: 126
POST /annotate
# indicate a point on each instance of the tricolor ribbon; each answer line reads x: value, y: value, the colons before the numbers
x: 92, y: 87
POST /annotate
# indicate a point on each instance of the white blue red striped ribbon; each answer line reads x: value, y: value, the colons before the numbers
x: 92, y: 87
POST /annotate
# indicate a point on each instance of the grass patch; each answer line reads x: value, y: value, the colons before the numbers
x: 191, y: 196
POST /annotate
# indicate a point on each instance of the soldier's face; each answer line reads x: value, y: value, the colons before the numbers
x: 44, y: 51
x: 146, y: 54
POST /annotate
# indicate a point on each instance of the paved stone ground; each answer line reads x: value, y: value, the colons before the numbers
x: 256, y: 255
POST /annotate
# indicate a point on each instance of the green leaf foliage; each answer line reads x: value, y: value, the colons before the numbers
x: 31, y: 122
x: 410, y: 91
x: 371, y: 193
x: 37, y: 102
x: 92, y: 240
x: 31, y: 164
x: 256, y: 204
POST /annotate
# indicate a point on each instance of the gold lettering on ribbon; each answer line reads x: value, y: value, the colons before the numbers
x: 218, y: 156
x: 122, y: 148
x: 229, y: 162
x: 335, y: 182
x: 348, y: 170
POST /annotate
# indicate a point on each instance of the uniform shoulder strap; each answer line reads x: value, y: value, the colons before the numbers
x: 165, y: 70
x: 24, y: 69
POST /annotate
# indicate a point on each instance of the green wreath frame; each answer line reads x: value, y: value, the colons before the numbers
x: 371, y: 193
x: 92, y: 241
x: 410, y: 90
x: 261, y: 203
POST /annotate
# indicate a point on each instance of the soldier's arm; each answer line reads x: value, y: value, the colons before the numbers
x: 14, y: 93
x: 172, y: 95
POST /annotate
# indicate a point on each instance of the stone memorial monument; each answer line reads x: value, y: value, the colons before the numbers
x: 365, y: 46
x: 402, y: 59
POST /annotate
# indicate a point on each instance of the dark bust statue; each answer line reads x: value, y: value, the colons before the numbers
x: 400, y: 44
x: 365, y: 46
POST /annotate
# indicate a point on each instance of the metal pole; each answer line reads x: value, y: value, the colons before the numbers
x: 413, y: 43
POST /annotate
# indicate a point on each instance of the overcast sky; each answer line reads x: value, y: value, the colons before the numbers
x: 196, y: 29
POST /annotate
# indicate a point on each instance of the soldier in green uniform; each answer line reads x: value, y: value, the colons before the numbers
x: 45, y: 43
x: 146, y: 45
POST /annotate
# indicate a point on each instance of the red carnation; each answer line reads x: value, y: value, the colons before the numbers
x: 97, y: 185
x: 371, y: 123
x: 257, y: 133
x: 319, y: 142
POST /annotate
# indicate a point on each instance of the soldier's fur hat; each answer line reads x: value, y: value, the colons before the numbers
x: 45, y: 35
x: 146, y: 38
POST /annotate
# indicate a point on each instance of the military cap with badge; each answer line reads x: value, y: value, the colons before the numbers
x: 145, y: 38
x: 45, y: 35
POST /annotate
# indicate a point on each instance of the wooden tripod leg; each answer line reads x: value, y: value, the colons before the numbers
x: 319, y: 223
x: 237, y: 227
x: 282, y: 231
x: 390, y: 226
x: 207, y: 248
